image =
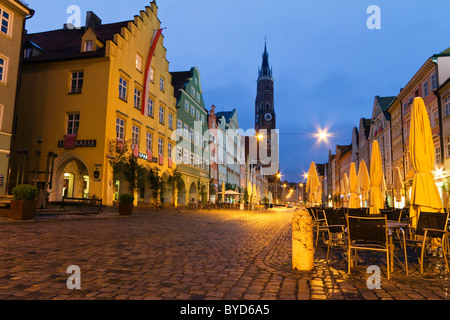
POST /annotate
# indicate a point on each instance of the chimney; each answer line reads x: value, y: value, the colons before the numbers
x: 92, y: 20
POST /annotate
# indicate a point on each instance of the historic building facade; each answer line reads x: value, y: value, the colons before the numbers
x: 192, y: 148
x: 13, y: 15
x: 90, y: 93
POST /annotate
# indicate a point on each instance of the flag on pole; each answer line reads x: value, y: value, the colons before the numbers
x: 156, y: 36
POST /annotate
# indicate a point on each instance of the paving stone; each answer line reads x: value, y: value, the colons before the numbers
x: 187, y: 255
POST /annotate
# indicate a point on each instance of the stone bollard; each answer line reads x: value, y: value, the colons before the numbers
x: 302, y: 241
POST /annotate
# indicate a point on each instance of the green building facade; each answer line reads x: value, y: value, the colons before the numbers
x: 192, y: 138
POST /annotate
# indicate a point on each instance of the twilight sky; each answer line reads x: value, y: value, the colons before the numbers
x: 327, y: 64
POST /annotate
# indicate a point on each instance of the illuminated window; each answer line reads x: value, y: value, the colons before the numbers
x: 138, y: 62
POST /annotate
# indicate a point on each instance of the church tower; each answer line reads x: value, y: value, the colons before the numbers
x: 265, y: 117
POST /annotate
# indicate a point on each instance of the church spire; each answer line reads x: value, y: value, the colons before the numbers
x: 265, y: 70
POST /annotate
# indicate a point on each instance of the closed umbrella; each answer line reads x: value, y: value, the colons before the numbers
x: 250, y: 192
x: 319, y: 194
x: 353, y: 186
x: 223, y: 192
x: 364, y: 181
x: 397, y: 184
x: 376, y: 180
x: 313, y: 183
x: 346, y: 189
x: 424, y: 194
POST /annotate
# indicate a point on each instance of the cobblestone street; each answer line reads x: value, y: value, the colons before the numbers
x: 186, y: 255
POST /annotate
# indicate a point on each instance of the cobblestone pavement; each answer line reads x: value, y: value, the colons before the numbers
x: 186, y: 255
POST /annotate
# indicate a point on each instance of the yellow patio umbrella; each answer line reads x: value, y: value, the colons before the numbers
x: 364, y: 181
x: 353, y: 188
x: 312, y: 184
x: 397, y: 184
x: 376, y: 180
x: 319, y: 194
x: 250, y: 192
x: 424, y: 194
x: 223, y: 192
x: 345, y: 189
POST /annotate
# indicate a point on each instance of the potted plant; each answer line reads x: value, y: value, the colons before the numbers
x: 23, y: 207
x: 126, y: 204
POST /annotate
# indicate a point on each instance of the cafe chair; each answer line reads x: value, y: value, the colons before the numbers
x: 431, y: 230
x: 367, y: 233
x: 319, y: 221
x: 336, y: 223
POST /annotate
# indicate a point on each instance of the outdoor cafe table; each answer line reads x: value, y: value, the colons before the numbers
x: 392, y: 227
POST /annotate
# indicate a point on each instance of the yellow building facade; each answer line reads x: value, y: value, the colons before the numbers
x: 82, y: 97
x: 12, y: 20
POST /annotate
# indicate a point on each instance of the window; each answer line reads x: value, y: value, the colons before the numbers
x: 198, y: 96
x: 185, y: 156
x: 150, y: 107
x: 197, y: 138
x: 186, y: 106
x: 161, y: 115
x: 192, y: 159
x: 73, y: 123
x: 191, y: 134
x: 438, y: 155
x: 161, y: 84
x: 169, y: 150
x: 436, y: 118
x: 160, y: 147
x: 149, y: 142
x: 89, y: 46
x: 426, y: 90
x: 193, y: 91
x: 186, y: 131
x: 434, y: 82
x: 120, y: 129
x: 123, y: 84
x: 27, y: 53
x: 179, y: 154
x: 135, y: 135
x: 447, y: 105
x: 137, y: 98
x: 448, y: 147
x: 3, y: 68
x: 193, y: 111
x: 5, y: 22
x: 179, y: 126
x: 197, y: 115
x: 138, y: 62
x: 203, y: 118
x: 152, y: 74
x: 170, y: 121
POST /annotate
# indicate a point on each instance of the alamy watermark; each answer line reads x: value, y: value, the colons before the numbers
x: 227, y: 147
x: 74, y: 281
x: 374, y: 21
x: 374, y: 280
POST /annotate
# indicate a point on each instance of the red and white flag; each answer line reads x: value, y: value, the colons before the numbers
x: 156, y: 36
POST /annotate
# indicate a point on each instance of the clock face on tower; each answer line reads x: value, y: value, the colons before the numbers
x: 268, y: 117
